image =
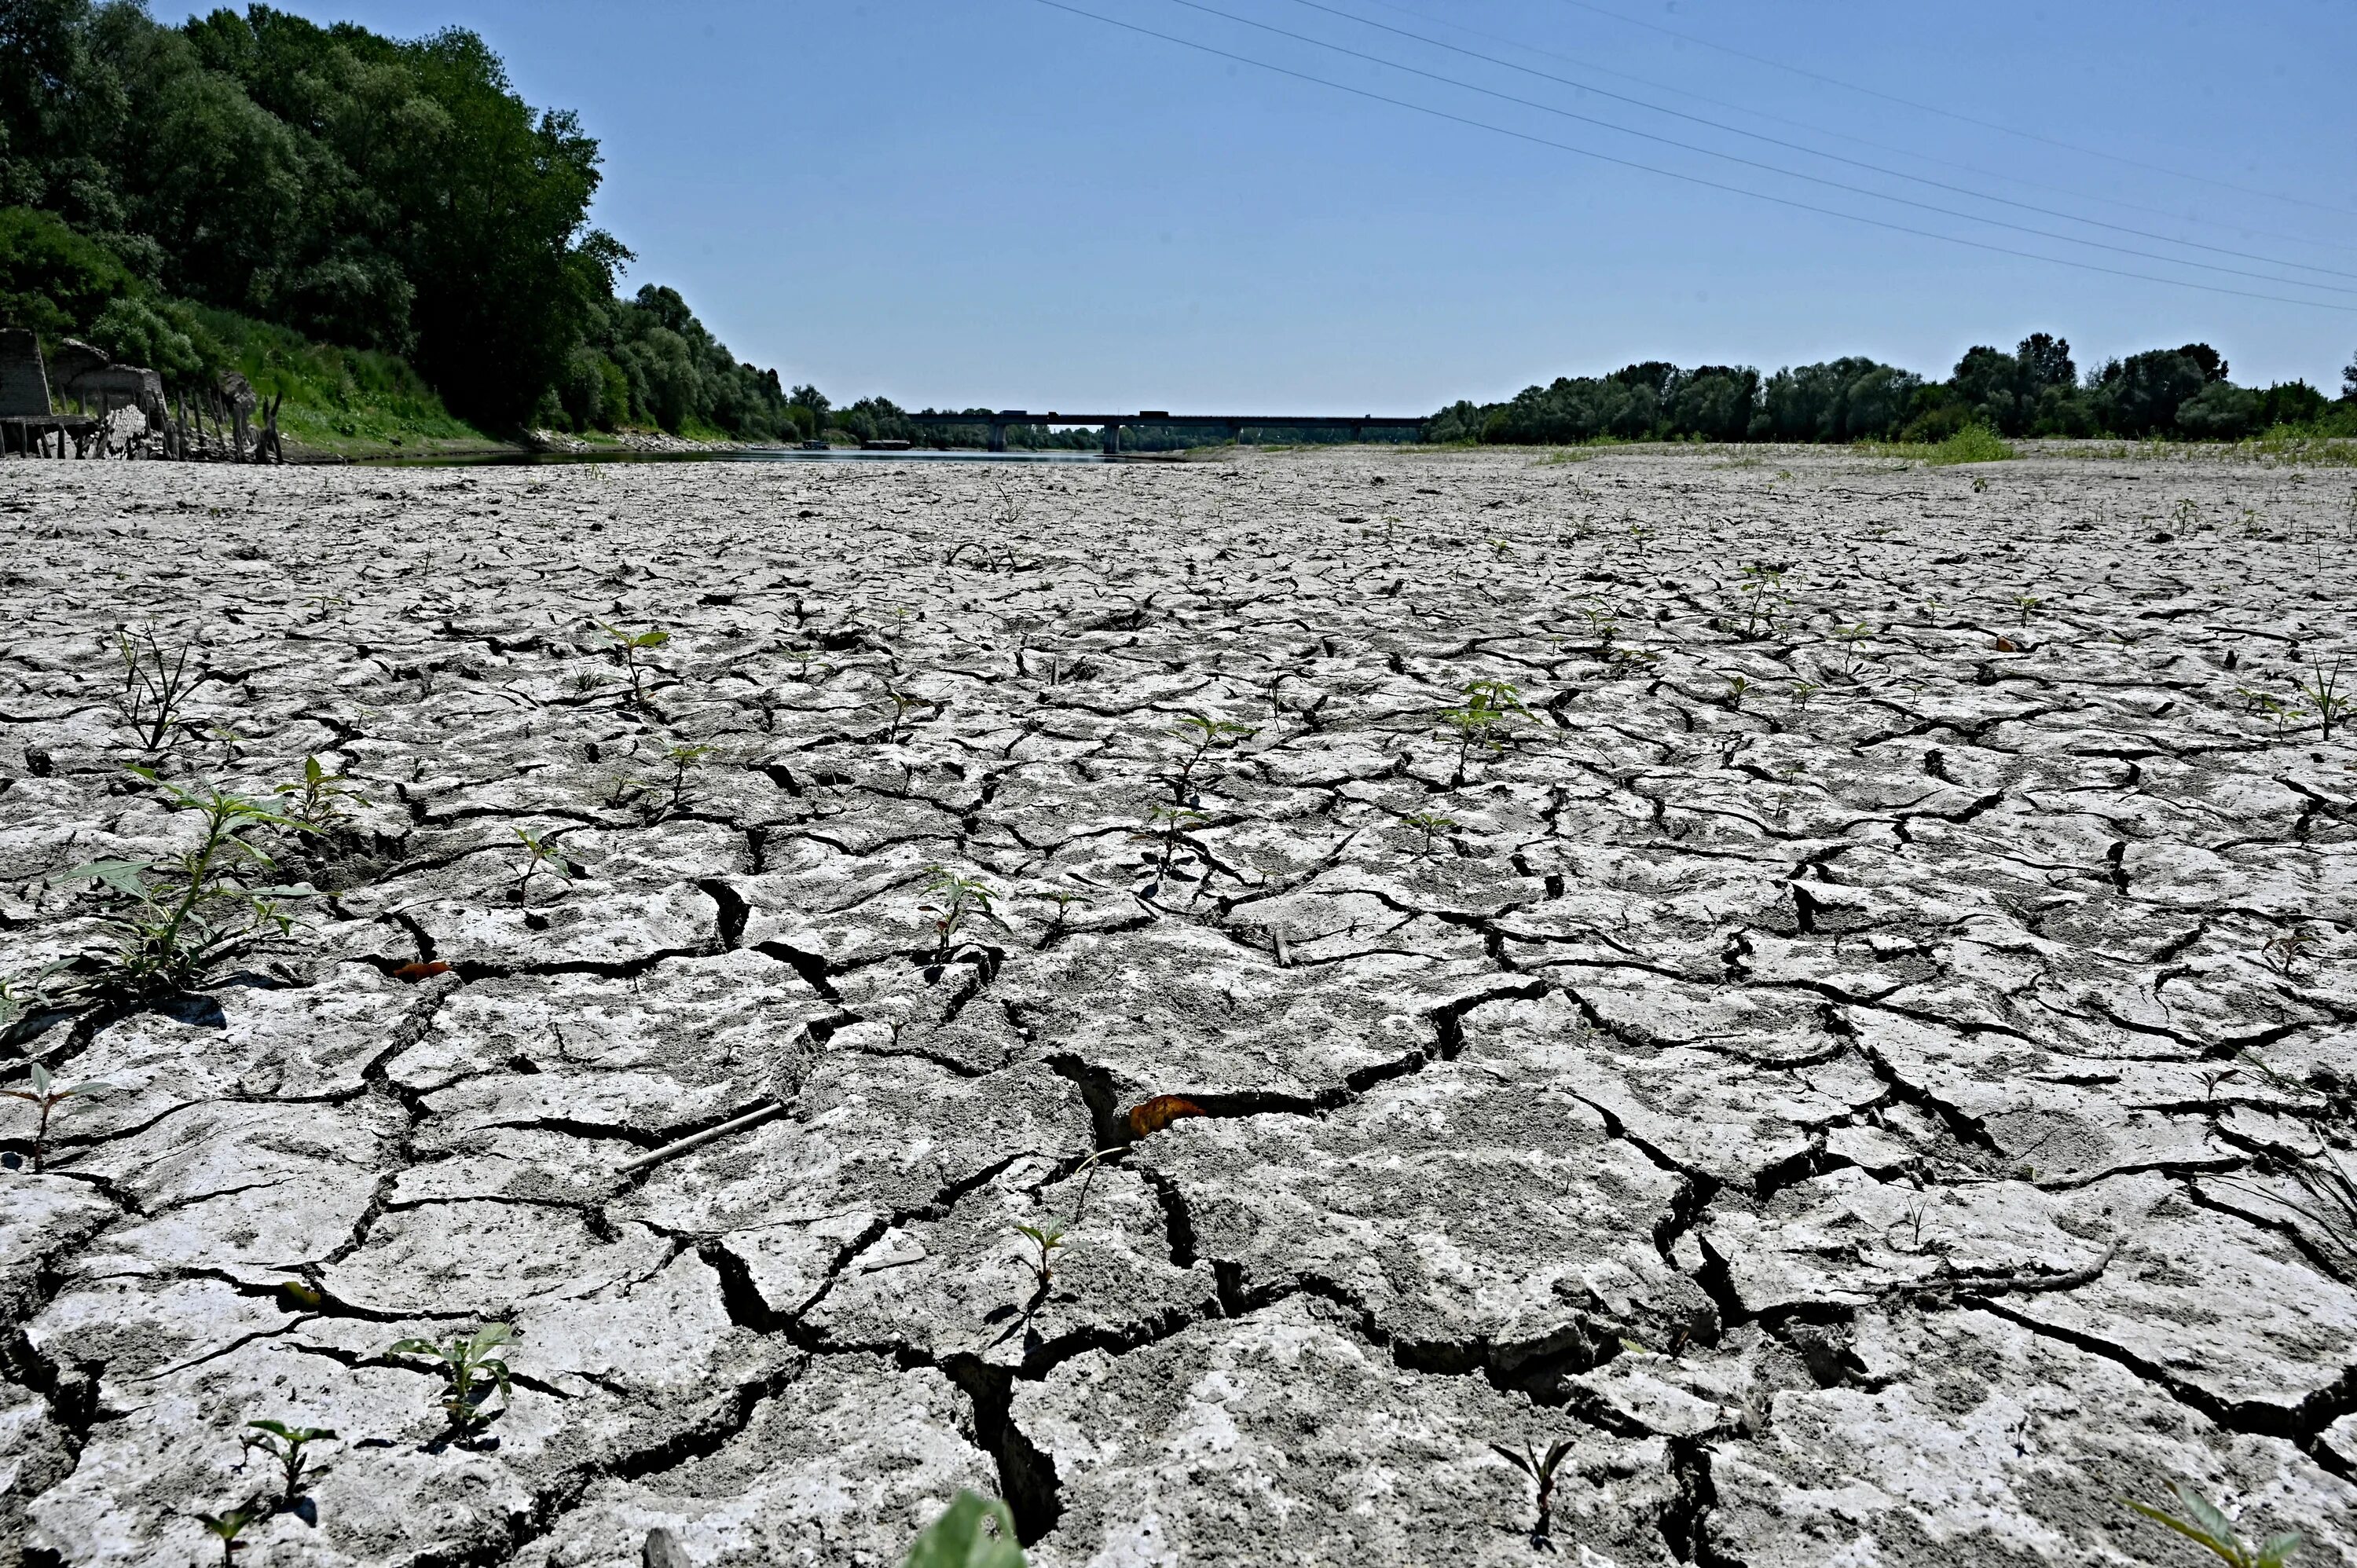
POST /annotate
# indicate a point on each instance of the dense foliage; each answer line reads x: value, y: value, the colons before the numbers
x: 2036, y: 390
x: 386, y: 197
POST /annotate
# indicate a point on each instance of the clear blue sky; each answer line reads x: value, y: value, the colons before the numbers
x: 990, y: 201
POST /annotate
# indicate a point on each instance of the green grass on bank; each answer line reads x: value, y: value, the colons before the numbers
x: 349, y: 401
x: 1972, y: 443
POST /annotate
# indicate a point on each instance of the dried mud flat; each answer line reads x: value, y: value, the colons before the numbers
x: 1822, y: 1096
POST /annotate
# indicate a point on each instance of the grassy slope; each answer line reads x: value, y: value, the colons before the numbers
x: 344, y: 402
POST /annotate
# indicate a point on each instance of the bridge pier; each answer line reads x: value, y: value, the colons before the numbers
x: 998, y: 435
x: 1112, y: 440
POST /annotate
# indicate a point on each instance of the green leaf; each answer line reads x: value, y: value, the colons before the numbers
x: 2277, y: 1549
x: 489, y: 1335
x: 2190, y: 1532
x: 418, y: 1347
x: 2205, y: 1513
x: 972, y: 1533
x: 122, y: 876
x: 1517, y: 1460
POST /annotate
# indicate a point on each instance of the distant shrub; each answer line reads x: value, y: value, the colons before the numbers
x: 1972, y: 443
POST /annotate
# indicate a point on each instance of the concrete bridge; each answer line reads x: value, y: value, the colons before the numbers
x: 1230, y: 425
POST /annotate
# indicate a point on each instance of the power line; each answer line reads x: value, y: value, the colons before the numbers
x: 1679, y: 175
x: 1814, y: 129
x: 1836, y: 157
x: 1952, y: 115
x: 1754, y: 162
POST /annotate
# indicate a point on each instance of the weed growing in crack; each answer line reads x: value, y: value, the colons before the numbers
x: 228, y: 1524
x: 903, y: 704
x: 1854, y: 639
x: 1164, y: 824
x: 1542, y: 1472
x: 1202, y: 734
x: 1063, y: 899
x: 287, y: 1445
x: 316, y: 800
x: 1489, y: 706
x: 1431, y: 824
x: 542, y: 858
x: 2328, y: 1206
x: 155, y: 687
x: 2326, y: 698
x: 1762, y: 598
x: 471, y: 1367
x: 671, y: 793
x: 956, y: 899
x: 2206, y: 1526
x: 972, y: 1533
x: 1738, y: 685
x: 1802, y: 690
x: 1046, y: 1239
x: 2025, y: 603
x: 2284, y: 951
x: 631, y: 647
x: 177, y: 918
x: 40, y: 1094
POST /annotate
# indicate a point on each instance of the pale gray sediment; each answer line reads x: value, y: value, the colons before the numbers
x: 1822, y: 1102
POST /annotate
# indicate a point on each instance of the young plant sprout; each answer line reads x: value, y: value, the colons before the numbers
x: 2283, y: 951
x: 471, y: 1367
x: 286, y: 1445
x: 1047, y: 1238
x: 227, y: 1525
x: 2207, y: 1527
x: 2327, y: 700
x: 1488, y: 705
x: 903, y: 704
x: 1763, y: 597
x: 1431, y: 824
x: 317, y: 798
x: 2024, y: 604
x: 1164, y: 824
x: 956, y: 899
x: 972, y: 1533
x: 47, y: 1099
x: 1542, y: 1473
x: 1802, y: 690
x: 177, y: 918
x: 155, y: 687
x: 542, y: 858
x: 681, y: 761
x: 1737, y: 683
x: 1202, y: 734
x: 631, y: 646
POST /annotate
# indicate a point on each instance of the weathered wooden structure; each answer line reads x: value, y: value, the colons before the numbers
x: 174, y: 421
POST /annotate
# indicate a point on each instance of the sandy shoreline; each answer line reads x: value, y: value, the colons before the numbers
x: 1802, y: 1064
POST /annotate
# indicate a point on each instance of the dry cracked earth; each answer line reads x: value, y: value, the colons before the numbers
x: 1839, y: 1054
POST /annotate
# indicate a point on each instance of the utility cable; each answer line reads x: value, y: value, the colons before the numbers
x: 1754, y: 162
x: 1372, y: 96
x: 1952, y: 115
x: 1528, y: 47
x: 1836, y: 157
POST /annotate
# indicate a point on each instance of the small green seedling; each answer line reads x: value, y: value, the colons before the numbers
x: 972, y: 1533
x: 177, y: 918
x: 155, y: 687
x: 227, y: 1525
x: 1802, y: 690
x: 632, y: 645
x: 2284, y: 951
x: 903, y: 704
x: 2203, y: 1524
x: 1542, y: 1472
x: 286, y: 1445
x: 1164, y: 824
x: 1047, y: 1238
x: 2025, y: 603
x: 956, y: 899
x: 542, y: 858
x: 1202, y: 734
x: 1738, y: 685
x: 47, y: 1099
x: 1431, y: 824
x: 681, y: 762
x: 1763, y: 598
x: 470, y: 1367
x: 1063, y: 899
x: 2327, y: 700
x: 1489, y: 706
x: 316, y: 798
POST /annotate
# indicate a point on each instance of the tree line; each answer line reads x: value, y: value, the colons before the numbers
x: 2036, y: 390
x: 163, y: 188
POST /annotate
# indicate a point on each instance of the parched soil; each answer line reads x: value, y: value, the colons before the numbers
x: 1836, y: 1045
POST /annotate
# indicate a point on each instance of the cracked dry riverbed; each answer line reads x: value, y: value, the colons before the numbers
x: 1808, y: 1064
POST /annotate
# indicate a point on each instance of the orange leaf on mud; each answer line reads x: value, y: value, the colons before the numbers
x: 2007, y: 645
x: 1154, y: 1114
x: 416, y: 971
